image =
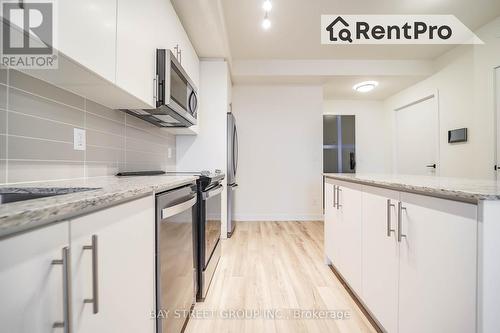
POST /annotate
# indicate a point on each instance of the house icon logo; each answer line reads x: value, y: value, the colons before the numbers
x: 342, y: 26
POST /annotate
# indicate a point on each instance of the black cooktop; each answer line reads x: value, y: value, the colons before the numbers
x: 206, y: 178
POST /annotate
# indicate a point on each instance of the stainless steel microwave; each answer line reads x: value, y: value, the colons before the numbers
x: 176, y: 95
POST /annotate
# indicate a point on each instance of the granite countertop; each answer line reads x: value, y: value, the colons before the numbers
x: 459, y: 189
x: 105, y: 191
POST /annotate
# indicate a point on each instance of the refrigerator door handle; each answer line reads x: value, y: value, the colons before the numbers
x: 235, y: 150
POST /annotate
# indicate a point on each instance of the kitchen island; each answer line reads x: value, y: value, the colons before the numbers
x: 419, y: 252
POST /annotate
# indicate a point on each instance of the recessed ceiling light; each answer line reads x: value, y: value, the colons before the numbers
x: 266, y: 24
x: 267, y: 5
x: 365, y: 86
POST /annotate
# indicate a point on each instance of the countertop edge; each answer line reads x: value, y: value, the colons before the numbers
x: 89, y: 205
x: 453, y: 195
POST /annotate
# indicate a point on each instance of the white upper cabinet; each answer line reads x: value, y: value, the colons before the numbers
x: 140, y: 31
x: 87, y: 34
x: 176, y: 35
x: 142, y: 27
x: 32, y: 285
x: 438, y: 265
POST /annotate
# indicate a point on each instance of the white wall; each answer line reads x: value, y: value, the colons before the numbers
x: 464, y: 82
x: 280, y: 152
x: 372, y: 133
x: 208, y: 149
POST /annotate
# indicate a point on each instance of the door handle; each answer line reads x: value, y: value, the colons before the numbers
x: 389, y: 229
x: 431, y: 166
x: 64, y: 262
x: 95, y: 275
x: 400, y: 222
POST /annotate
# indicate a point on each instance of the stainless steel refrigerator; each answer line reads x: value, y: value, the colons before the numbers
x: 232, y: 168
x: 339, y: 144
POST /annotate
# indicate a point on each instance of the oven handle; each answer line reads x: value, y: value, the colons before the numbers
x: 212, y: 193
x: 174, y: 210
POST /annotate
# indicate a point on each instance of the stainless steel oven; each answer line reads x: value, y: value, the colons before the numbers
x: 176, y: 285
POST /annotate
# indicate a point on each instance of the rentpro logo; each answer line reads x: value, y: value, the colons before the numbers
x: 395, y: 29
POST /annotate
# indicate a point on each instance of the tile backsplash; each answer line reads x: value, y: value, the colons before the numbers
x: 37, y: 121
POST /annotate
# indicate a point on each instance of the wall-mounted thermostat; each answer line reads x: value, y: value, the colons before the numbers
x: 457, y: 135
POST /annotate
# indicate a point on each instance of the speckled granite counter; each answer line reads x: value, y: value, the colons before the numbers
x: 458, y: 189
x: 24, y: 215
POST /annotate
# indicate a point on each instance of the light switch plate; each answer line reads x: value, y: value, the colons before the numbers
x: 79, y: 140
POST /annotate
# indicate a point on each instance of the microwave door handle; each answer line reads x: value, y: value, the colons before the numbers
x: 179, y: 208
x: 161, y: 62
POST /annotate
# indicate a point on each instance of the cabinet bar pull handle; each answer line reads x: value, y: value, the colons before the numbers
x: 338, y: 197
x: 334, y: 196
x: 95, y: 275
x: 389, y: 230
x: 66, y: 324
x: 400, y: 222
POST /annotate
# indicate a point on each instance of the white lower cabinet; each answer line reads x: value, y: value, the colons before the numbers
x: 330, y: 225
x: 414, y: 264
x: 113, y: 265
x: 380, y: 255
x: 95, y: 273
x: 348, y: 198
x: 31, y: 283
x: 343, y: 231
x: 438, y: 266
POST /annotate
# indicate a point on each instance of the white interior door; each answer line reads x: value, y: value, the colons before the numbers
x: 417, y: 138
x: 497, y: 98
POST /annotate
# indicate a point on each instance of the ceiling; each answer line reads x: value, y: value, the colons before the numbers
x: 231, y: 29
x: 295, y: 31
x: 341, y: 87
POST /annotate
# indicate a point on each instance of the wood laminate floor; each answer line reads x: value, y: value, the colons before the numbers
x: 275, y: 269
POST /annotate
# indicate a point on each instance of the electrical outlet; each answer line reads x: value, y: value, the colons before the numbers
x: 79, y: 141
x: 169, y: 152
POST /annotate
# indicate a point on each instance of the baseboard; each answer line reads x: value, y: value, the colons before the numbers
x: 278, y: 217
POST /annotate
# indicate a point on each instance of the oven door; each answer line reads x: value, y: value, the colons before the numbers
x: 175, y: 258
x: 212, y: 198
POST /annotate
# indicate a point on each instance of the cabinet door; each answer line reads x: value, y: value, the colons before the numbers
x: 380, y: 255
x: 178, y: 37
x: 437, y: 286
x: 31, y: 287
x: 349, y: 234
x: 329, y: 223
x: 124, y: 268
x: 87, y: 34
x: 138, y: 37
